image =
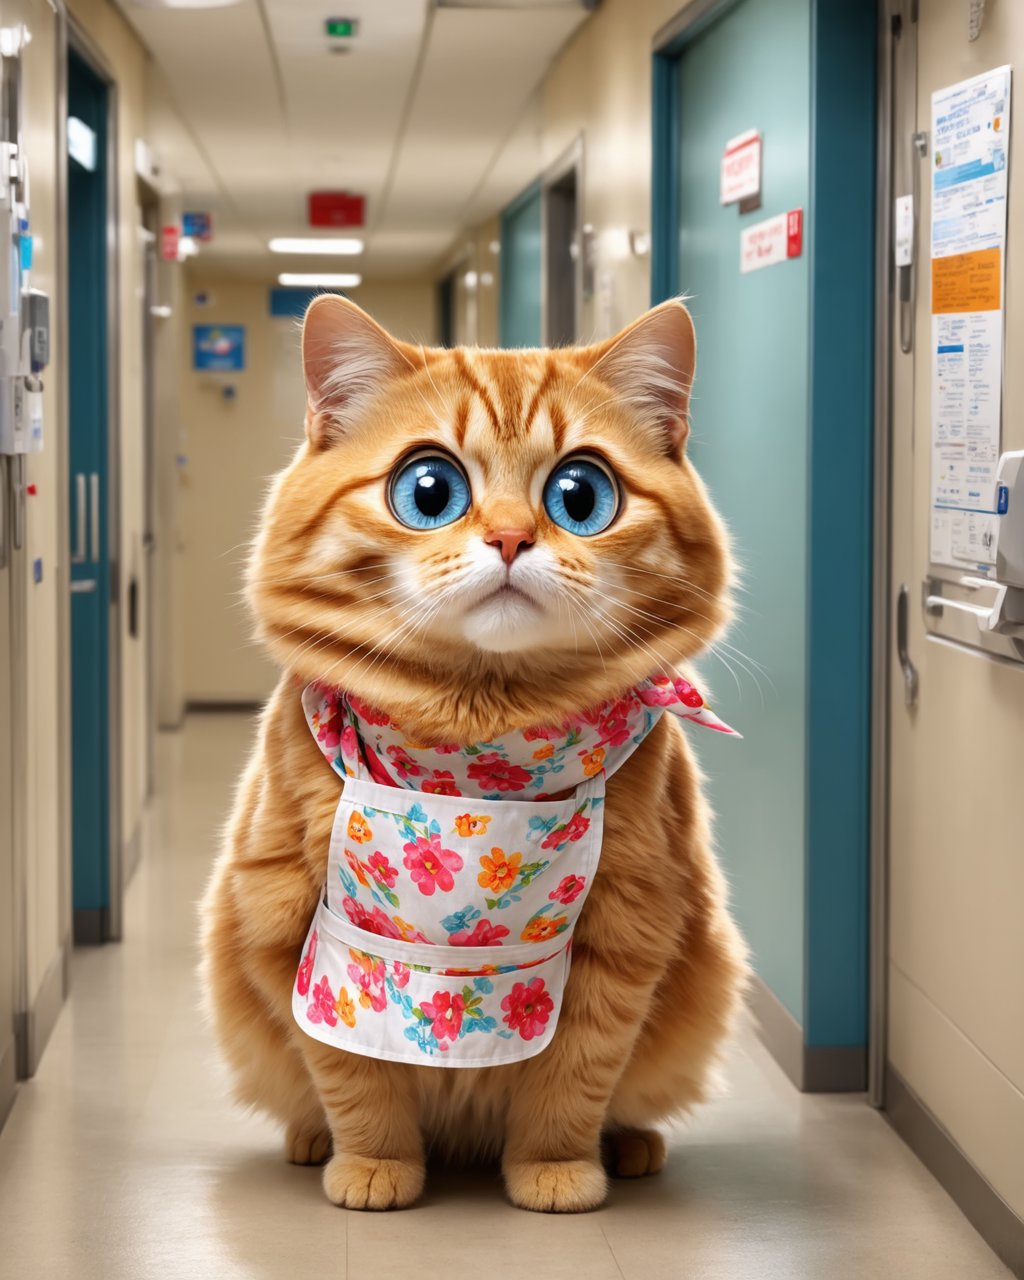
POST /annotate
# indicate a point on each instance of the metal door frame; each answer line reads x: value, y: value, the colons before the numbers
x: 570, y: 161
x: 84, y: 47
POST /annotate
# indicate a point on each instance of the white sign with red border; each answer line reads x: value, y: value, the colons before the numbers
x: 741, y: 167
x: 766, y: 243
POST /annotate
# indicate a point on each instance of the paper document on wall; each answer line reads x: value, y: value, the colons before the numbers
x: 969, y: 149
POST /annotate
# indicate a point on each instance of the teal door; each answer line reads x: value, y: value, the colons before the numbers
x: 781, y: 431
x: 751, y: 70
x: 88, y: 112
x: 521, y: 268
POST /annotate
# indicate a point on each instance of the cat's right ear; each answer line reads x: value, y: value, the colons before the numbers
x: 347, y: 358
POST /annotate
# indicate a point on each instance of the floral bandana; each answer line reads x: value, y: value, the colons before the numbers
x: 444, y: 931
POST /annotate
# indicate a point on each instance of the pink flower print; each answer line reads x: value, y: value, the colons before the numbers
x: 321, y: 1004
x: 528, y: 1008
x: 369, y: 974
x: 305, y: 974
x: 374, y: 921
x: 366, y: 713
x: 568, y: 890
x: 484, y: 934
x: 349, y: 743
x: 687, y: 693
x: 614, y: 726
x: 575, y: 829
x: 447, y: 748
x: 382, y: 870
x: 543, y: 733
x: 403, y: 762
x: 400, y: 974
x: 659, y: 693
x: 495, y: 774
x: 377, y: 771
x: 445, y: 1013
x: 441, y: 784
x: 330, y: 727
x: 431, y: 865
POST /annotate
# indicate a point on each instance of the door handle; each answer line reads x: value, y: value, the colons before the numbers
x: 94, y: 517
x: 82, y: 586
x: 78, y: 555
x: 909, y: 670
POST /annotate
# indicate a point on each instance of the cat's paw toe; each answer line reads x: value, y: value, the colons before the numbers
x: 355, y: 1182
x: 307, y: 1146
x: 634, y: 1153
x: 556, y: 1186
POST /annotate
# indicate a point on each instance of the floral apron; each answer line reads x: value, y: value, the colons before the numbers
x: 455, y: 877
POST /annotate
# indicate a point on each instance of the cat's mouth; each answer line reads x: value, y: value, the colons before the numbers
x: 508, y: 594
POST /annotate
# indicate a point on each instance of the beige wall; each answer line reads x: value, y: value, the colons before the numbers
x: 44, y: 848
x: 599, y: 89
x: 47, y: 776
x: 231, y: 447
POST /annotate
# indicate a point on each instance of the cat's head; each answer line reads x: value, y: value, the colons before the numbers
x: 477, y: 535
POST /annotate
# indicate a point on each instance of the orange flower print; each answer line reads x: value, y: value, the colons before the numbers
x: 359, y: 829
x: 593, y: 761
x: 472, y: 824
x: 541, y: 928
x: 345, y: 1008
x: 499, y: 870
x: 545, y: 752
x: 355, y: 865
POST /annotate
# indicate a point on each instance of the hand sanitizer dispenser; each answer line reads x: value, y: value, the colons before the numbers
x: 1007, y: 616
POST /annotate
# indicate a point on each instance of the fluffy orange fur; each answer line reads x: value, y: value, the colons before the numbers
x: 409, y: 620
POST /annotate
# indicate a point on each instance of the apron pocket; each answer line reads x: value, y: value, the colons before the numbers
x: 434, y: 1005
x: 467, y: 872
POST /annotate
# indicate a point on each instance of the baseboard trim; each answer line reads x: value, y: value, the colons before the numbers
x: 8, y: 1081
x: 32, y: 1029
x: 934, y: 1146
x: 91, y: 926
x: 812, y: 1068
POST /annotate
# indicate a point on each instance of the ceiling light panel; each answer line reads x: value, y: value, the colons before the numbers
x: 314, y: 245
x: 319, y: 279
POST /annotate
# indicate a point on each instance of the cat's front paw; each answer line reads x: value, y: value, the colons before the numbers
x: 634, y: 1153
x: 307, y: 1146
x: 355, y: 1182
x: 556, y: 1186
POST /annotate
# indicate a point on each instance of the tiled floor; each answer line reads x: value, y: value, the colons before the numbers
x: 123, y: 1159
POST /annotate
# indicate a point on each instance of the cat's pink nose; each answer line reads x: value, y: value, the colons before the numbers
x: 509, y: 541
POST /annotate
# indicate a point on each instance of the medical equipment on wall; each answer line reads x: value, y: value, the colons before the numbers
x: 999, y: 622
x: 24, y: 311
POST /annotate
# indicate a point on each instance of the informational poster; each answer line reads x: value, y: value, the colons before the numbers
x: 218, y: 348
x: 970, y: 146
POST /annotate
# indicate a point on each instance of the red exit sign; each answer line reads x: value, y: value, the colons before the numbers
x: 336, y: 209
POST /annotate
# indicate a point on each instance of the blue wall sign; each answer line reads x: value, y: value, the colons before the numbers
x: 198, y: 225
x: 218, y: 347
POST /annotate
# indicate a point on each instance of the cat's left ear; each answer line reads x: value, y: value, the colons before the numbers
x: 650, y: 364
x: 347, y: 359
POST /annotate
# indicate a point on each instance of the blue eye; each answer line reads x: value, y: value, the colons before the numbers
x: 581, y: 496
x: 428, y: 491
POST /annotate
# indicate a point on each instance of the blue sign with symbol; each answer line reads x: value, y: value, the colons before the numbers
x: 198, y: 225
x: 218, y: 348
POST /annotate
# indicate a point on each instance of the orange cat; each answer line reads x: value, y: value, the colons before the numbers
x: 454, y: 598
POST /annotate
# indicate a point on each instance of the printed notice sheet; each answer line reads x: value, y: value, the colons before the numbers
x: 970, y: 146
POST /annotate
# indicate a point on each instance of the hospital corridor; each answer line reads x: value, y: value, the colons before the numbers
x: 602, y: 419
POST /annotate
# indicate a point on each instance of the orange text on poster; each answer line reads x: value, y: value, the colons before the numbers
x: 967, y: 282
